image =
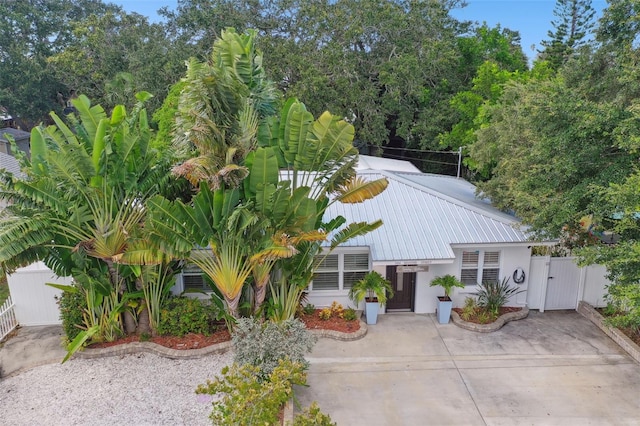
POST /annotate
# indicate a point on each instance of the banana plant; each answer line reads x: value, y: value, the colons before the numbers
x: 84, y: 193
x: 300, y: 169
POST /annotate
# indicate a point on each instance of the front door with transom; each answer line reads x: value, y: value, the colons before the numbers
x: 403, y: 284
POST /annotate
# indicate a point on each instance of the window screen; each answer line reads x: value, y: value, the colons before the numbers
x: 491, y: 267
x: 469, y: 271
x: 194, y: 282
x: 339, y: 271
x: 326, y: 280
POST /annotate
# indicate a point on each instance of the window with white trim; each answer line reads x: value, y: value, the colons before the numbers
x: 479, y: 266
x: 339, y: 271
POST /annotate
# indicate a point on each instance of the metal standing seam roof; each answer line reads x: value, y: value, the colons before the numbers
x: 421, y: 223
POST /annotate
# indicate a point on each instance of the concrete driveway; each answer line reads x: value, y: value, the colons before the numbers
x: 552, y: 368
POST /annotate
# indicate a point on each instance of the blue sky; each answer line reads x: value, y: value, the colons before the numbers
x: 532, y: 18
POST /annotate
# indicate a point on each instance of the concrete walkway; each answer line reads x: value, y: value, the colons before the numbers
x: 31, y: 347
x: 553, y: 368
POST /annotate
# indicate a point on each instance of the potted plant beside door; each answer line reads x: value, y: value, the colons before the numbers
x: 374, y: 290
x: 448, y: 282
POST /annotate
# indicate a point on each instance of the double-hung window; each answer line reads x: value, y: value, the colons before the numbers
x: 339, y: 271
x: 479, y: 266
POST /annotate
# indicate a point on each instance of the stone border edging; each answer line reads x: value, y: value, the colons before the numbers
x: 218, y: 348
x: 628, y: 345
x: 153, y: 348
x: 494, y: 326
x: 338, y: 335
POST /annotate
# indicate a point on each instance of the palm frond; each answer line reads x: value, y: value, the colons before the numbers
x: 20, y: 234
x: 353, y: 230
x: 228, y: 268
x: 358, y: 189
x: 169, y: 227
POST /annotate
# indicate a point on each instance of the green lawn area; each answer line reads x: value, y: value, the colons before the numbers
x: 4, y: 289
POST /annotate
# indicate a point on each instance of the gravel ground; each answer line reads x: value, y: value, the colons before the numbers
x: 142, y: 389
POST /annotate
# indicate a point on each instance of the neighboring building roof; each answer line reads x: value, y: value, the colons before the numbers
x: 16, y: 133
x: 10, y: 164
x: 423, y: 216
x: 367, y: 162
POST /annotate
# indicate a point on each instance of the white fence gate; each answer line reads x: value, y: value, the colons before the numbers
x: 559, y: 283
x: 8, y: 321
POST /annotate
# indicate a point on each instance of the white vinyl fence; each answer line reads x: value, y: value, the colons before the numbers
x: 8, y: 321
x: 559, y: 283
x: 35, y: 302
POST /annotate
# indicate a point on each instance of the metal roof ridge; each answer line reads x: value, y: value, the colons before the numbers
x: 438, y: 194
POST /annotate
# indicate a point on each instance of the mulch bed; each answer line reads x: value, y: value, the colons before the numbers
x: 197, y: 341
x: 634, y: 335
x: 503, y: 310
x: 189, y: 341
x: 313, y: 322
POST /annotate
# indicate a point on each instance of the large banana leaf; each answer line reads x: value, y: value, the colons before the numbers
x: 203, y: 206
x: 38, y: 150
x: 264, y: 169
x: 170, y: 227
x: 353, y: 230
x: 90, y: 116
x: 264, y: 199
x: 358, y: 189
x: 297, y: 125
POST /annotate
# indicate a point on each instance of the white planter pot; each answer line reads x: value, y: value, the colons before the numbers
x: 444, y: 311
x: 371, y: 312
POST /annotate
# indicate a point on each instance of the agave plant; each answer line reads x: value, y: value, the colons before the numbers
x: 492, y: 295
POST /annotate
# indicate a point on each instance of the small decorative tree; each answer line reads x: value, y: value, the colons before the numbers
x: 447, y: 282
x: 373, y: 288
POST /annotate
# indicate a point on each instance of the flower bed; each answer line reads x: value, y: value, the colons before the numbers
x: 507, y: 315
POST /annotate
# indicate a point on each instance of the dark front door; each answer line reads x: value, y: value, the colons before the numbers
x: 403, y: 284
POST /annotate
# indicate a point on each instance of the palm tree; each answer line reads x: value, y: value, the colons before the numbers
x: 222, y: 105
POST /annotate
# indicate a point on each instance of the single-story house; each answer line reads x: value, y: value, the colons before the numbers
x: 433, y: 225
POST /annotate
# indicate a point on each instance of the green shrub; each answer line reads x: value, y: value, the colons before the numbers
x: 264, y: 344
x: 183, y: 315
x: 246, y: 399
x: 309, y: 309
x: 4, y: 287
x: 312, y: 416
x: 624, y: 302
x: 72, y: 306
x: 492, y: 295
x: 350, y: 314
x: 484, y: 316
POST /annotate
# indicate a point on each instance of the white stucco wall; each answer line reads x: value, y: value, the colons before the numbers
x: 511, y: 258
